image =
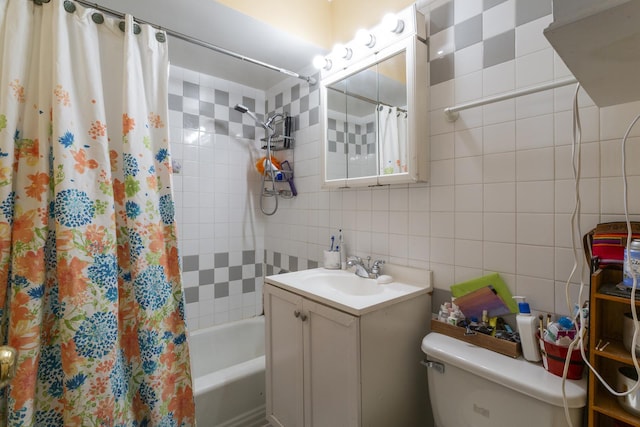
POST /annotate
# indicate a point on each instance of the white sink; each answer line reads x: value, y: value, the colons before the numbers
x: 351, y: 293
x: 346, y: 283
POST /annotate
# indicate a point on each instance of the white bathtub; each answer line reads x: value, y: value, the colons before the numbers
x: 228, y: 367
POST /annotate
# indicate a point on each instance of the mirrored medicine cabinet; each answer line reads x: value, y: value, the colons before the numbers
x: 375, y: 118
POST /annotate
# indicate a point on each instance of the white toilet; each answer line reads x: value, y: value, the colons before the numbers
x: 470, y: 386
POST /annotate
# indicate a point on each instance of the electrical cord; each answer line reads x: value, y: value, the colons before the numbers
x: 575, y: 227
x: 576, y: 165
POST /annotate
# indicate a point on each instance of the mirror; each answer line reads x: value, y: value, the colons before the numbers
x: 375, y: 118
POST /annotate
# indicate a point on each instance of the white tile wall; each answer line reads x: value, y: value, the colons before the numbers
x: 465, y: 10
x: 496, y: 20
x: 499, y: 197
x: 214, y: 205
x: 529, y: 37
x: 501, y: 189
x: 468, y: 60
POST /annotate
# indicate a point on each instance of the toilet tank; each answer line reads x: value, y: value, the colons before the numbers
x: 481, y: 388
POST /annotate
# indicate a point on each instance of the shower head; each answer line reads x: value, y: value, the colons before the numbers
x: 272, y: 118
x: 241, y: 108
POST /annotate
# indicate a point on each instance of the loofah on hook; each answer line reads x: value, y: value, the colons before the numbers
x: 263, y: 164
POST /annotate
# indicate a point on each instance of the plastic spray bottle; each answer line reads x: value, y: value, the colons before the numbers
x: 527, y: 328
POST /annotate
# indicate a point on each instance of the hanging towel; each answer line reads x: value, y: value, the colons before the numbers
x: 402, y: 139
x: 388, y: 140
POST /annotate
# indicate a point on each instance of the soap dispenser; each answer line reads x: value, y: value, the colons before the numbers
x: 527, y: 329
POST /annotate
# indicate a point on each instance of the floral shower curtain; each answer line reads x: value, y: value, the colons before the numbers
x: 90, y: 284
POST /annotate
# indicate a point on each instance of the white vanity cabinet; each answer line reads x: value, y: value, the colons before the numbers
x: 326, y: 367
x: 312, y: 362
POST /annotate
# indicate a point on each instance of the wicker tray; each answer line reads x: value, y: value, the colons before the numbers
x: 505, y: 347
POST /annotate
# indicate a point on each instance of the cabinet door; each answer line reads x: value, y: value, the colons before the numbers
x: 283, y: 354
x: 331, y: 367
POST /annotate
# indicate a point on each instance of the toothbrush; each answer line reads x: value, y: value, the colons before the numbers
x: 332, y: 240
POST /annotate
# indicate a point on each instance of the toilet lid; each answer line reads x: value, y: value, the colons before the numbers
x: 518, y: 374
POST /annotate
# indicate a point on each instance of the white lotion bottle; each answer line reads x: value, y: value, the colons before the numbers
x: 527, y: 328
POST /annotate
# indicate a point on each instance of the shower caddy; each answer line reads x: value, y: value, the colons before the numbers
x: 278, y: 139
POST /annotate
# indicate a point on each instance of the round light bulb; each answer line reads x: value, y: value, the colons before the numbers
x: 320, y: 62
x: 342, y: 51
x: 365, y: 38
x: 392, y: 23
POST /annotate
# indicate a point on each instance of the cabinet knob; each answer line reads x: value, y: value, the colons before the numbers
x: 298, y: 313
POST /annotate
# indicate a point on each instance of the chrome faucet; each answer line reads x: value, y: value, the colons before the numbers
x: 368, y: 272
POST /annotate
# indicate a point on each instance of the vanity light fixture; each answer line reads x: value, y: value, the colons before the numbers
x: 365, y: 38
x: 320, y: 62
x: 392, y: 28
x: 392, y: 23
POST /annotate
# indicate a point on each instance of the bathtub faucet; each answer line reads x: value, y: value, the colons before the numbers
x: 368, y: 272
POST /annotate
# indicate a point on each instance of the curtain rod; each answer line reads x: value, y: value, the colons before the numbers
x: 452, y: 112
x: 364, y: 98
x: 184, y: 37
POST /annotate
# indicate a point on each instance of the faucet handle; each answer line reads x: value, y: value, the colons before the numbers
x: 353, y: 260
x: 377, y: 266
